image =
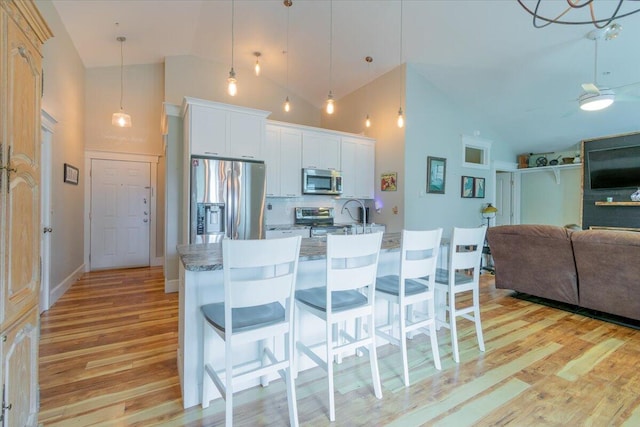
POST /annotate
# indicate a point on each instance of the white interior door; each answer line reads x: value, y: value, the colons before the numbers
x: 504, y: 198
x: 45, y: 194
x: 120, y: 214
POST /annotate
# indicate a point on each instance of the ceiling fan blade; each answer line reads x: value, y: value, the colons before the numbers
x: 628, y: 87
x: 590, y: 88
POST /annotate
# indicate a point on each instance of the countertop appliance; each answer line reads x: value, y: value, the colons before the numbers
x: 319, y: 219
x: 227, y: 199
x: 321, y: 181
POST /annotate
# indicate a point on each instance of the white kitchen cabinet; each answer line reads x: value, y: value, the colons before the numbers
x: 357, y: 166
x: 277, y: 234
x: 221, y: 130
x: 320, y: 150
x: 283, y: 157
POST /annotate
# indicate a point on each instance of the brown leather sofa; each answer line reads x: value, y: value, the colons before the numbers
x: 595, y: 269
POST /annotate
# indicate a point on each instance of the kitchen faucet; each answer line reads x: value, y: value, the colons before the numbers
x: 364, y: 211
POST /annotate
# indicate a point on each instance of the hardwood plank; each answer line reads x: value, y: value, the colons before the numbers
x: 108, y: 357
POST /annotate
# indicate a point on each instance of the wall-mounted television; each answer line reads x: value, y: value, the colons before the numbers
x: 614, y: 168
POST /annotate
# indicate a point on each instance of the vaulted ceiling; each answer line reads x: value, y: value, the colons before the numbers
x: 485, y: 54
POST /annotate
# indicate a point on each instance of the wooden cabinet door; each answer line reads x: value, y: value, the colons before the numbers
x: 320, y: 150
x: 20, y: 371
x: 245, y: 136
x: 272, y: 160
x: 348, y: 167
x: 365, y: 167
x: 20, y: 182
x: 290, y: 163
x: 207, y: 131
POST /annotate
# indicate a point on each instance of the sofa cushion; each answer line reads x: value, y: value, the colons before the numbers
x: 535, y: 259
x: 608, y: 265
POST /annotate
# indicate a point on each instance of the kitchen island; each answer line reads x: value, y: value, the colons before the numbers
x: 201, y: 283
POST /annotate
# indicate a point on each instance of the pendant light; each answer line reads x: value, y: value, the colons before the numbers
x: 232, y: 86
x: 120, y: 118
x: 287, y: 104
x: 330, y: 101
x: 369, y: 60
x: 256, y: 68
x: 400, y: 115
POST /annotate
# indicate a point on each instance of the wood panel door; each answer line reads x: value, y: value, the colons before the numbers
x: 21, y: 177
x: 120, y: 214
x: 19, y: 350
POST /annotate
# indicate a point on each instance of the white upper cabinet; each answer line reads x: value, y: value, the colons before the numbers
x: 214, y: 129
x: 358, y: 167
x: 283, y: 157
x: 320, y: 150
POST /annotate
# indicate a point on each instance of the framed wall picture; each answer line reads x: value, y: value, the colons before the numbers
x: 388, y: 181
x: 71, y: 174
x: 436, y: 174
x: 478, y: 190
x: 467, y: 187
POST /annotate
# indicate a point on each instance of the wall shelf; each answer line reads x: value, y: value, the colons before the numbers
x: 617, y: 203
x: 554, y: 169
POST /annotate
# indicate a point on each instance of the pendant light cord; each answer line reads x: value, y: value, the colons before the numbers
x: 288, y: 7
x: 401, y: 79
x: 233, y: 13
x: 121, y: 73
x: 330, y: 44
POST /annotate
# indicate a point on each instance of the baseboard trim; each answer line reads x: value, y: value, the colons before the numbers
x: 171, y: 286
x: 62, y: 287
x: 155, y: 262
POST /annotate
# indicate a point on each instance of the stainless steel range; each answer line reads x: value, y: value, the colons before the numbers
x: 319, y: 219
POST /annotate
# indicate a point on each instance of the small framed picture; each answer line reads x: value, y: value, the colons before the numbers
x: 388, y: 181
x: 71, y: 174
x: 478, y: 190
x: 436, y: 174
x: 467, y: 187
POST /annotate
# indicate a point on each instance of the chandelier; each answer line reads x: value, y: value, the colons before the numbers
x: 546, y: 12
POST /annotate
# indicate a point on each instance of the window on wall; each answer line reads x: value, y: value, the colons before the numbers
x: 475, y: 152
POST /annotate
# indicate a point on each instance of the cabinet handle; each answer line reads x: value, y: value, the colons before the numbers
x: 210, y: 152
x: 248, y: 157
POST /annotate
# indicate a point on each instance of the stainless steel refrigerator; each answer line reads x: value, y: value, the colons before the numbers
x: 227, y: 200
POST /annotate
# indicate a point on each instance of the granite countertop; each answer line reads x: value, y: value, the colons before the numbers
x: 286, y: 226
x: 208, y: 256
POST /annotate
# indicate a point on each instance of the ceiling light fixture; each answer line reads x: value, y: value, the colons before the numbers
x: 400, y: 115
x: 330, y: 101
x: 287, y: 104
x: 616, y: 11
x: 257, y: 66
x: 121, y: 119
x: 596, y: 101
x: 232, y: 84
x: 369, y: 60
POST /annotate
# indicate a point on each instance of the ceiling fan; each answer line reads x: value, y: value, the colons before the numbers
x: 597, y: 97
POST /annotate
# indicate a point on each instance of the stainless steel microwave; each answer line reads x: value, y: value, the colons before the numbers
x: 321, y: 181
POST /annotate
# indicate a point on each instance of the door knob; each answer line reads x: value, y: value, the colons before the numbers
x: 145, y: 220
x: 48, y: 229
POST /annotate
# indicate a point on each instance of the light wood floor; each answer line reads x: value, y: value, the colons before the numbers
x: 108, y: 358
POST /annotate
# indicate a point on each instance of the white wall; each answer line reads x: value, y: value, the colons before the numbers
x: 547, y: 201
x: 63, y: 99
x: 434, y: 128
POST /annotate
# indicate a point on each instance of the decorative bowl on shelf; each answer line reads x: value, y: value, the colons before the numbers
x: 636, y: 196
x: 567, y: 160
